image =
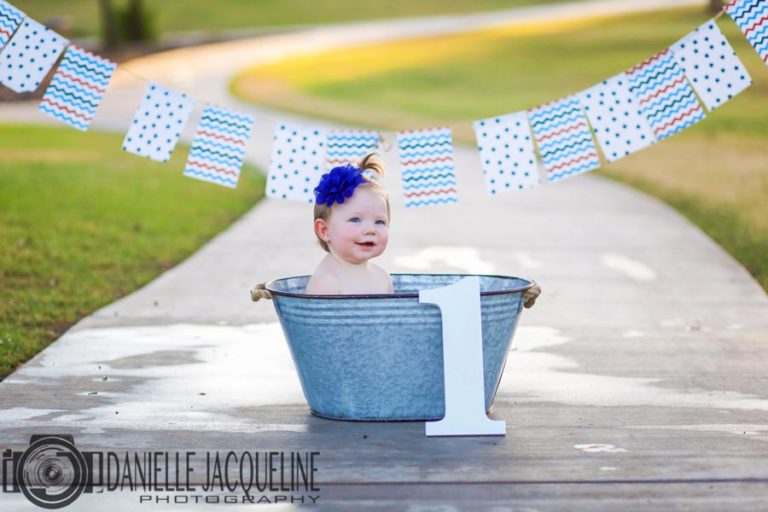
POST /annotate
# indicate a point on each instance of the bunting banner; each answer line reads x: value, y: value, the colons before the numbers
x: 665, y: 97
x: 218, y: 148
x: 565, y: 142
x: 615, y: 118
x: 298, y: 159
x: 628, y: 112
x: 77, y: 87
x: 711, y: 65
x: 427, y: 169
x: 349, y: 146
x: 752, y: 18
x: 29, y: 56
x: 158, y: 122
x: 507, y: 154
x: 10, y: 19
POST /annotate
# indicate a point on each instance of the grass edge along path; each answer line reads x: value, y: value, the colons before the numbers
x: 82, y: 224
x: 714, y: 173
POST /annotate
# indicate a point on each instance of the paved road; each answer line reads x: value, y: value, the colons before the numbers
x: 637, y: 382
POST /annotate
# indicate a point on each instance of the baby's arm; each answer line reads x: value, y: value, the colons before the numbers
x: 323, y: 284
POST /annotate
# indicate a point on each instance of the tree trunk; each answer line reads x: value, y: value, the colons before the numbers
x: 109, y: 33
x: 136, y: 27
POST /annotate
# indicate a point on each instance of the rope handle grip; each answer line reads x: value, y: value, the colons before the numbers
x: 260, y: 292
x: 530, y: 295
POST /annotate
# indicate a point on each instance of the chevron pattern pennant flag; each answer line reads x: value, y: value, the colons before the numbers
x: 349, y: 146
x: 29, y: 56
x: 665, y: 97
x: 298, y: 160
x: 77, y: 87
x: 615, y: 118
x: 10, y: 19
x: 218, y: 149
x: 565, y: 142
x: 427, y: 170
x: 158, y: 123
x: 711, y: 65
x: 752, y: 18
x: 506, y: 152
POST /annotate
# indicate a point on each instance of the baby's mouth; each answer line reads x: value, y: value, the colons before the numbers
x: 366, y: 244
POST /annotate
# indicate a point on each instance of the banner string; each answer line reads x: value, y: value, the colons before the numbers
x: 386, y: 141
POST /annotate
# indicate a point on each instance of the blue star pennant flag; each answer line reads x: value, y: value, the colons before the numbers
x: 711, y: 65
x: 297, y: 162
x: 506, y: 152
x: 158, y: 123
x: 29, y: 56
x: 615, y: 117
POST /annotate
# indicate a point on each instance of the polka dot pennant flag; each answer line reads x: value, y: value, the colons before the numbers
x: 665, y: 97
x: 219, y: 146
x: 10, y: 19
x: 77, y: 87
x: 349, y: 146
x: 29, y: 56
x: 615, y: 117
x: 565, y: 142
x: 158, y: 122
x: 712, y: 67
x: 298, y: 161
x: 752, y: 18
x: 506, y: 153
x: 427, y: 169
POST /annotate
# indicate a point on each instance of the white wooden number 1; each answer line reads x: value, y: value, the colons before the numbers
x: 465, y: 415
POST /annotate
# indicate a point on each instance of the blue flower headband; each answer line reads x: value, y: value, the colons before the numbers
x: 338, y: 185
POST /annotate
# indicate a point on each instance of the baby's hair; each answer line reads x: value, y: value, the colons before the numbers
x: 373, y: 172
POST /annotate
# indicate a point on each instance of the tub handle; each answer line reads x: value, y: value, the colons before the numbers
x: 260, y: 292
x: 530, y: 295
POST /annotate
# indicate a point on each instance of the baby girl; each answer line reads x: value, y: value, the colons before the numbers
x: 351, y: 223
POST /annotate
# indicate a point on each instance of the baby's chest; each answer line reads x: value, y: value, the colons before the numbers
x: 365, y: 284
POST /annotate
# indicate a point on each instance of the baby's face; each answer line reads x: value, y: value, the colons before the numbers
x: 358, y: 228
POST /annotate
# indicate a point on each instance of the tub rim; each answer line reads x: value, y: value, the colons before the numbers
x: 271, y: 289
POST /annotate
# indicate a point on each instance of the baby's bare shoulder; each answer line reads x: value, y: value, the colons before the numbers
x: 323, y: 283
x: 383, y: 275
x: 380, y: 272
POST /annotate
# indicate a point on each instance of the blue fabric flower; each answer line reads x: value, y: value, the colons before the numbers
x: 338, y: 185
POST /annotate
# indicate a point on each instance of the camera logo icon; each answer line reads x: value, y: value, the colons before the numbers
x: 51, y: 472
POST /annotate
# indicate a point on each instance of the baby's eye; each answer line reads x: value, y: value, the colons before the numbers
x: 381, y: 222
x: 354, y: 219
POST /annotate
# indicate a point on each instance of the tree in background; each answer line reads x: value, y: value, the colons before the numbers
x: 715, y: 6
x: 129, y: 23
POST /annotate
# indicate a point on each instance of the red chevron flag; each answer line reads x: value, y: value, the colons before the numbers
x: 752, y: 18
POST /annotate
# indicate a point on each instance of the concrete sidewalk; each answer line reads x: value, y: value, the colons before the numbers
x: 637, y: 382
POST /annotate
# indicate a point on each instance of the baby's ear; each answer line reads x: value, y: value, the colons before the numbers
x: 321, y: 229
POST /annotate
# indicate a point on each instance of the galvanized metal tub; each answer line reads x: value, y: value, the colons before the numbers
x: 380, y: 357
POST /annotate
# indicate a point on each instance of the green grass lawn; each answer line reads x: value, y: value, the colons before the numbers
x: 83, y: 223
x: 715, y: 173
x: 184, y: 15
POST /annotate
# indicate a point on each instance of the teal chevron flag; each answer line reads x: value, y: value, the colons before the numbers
x: 427, y: 170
